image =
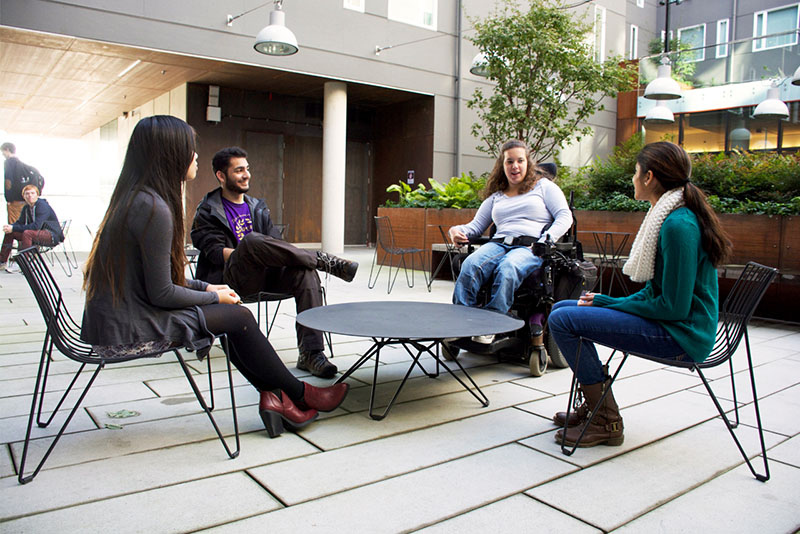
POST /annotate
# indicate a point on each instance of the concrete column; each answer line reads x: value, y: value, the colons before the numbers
x: 334, y: 148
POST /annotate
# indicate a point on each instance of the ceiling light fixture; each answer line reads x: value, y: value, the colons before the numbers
x: 129, y: 68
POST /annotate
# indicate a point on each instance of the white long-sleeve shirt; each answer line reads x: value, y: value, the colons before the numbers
x: 523, y: 215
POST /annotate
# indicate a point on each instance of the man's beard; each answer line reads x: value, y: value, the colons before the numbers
x: 232, y: 186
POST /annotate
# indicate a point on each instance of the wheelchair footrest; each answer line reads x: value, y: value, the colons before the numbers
x: 500, y: 344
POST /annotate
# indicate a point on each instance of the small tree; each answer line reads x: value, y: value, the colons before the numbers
x: 546, y: 79
x: 682, y: 68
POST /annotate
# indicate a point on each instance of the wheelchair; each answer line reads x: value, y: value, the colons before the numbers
x: 563, y: 275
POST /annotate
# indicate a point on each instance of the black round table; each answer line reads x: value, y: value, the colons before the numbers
x: 420, y: 326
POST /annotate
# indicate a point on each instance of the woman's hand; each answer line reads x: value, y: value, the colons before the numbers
x: 457, y: 236
x: 228, y: 296
x: 7, y: 228
x: 586, y: 299
x: 217, y: 287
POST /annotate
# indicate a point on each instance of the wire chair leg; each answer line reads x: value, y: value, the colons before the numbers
x: 21, y: 474
x: 370, y: 281
x: 207, y: 410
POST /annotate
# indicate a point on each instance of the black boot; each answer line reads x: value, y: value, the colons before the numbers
x: 316, y: 363
x: 339, y: 267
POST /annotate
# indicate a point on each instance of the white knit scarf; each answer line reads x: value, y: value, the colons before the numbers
x: 641, y: 263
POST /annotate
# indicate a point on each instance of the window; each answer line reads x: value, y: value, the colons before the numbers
x: 639, y: 3
x: 599, y: 33
x: 722, y: 38
x: 776, y: 21
x: 355, y: 5
x: 633, y: 44
x: 694, y: 36
x: 417, y: 12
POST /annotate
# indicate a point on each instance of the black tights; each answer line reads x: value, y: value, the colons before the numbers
x: 251, y: 352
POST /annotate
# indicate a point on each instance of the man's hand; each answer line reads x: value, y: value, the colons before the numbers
x: 7, y: 228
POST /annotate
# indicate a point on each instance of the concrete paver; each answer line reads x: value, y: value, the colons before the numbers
x: 440, y: 462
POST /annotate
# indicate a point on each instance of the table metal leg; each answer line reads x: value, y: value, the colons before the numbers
x: 420, y: 348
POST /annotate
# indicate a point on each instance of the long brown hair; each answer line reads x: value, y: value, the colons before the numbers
x: 159, y: 153
x: 498, y: 181
x: 672, y: 168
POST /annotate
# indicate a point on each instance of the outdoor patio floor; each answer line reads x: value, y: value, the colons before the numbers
x: 440, y: 462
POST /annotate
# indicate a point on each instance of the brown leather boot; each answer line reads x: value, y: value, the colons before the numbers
x: 323, y: 399
x: 277, y: 410
x: 606, y: 427
x: 576, y: 416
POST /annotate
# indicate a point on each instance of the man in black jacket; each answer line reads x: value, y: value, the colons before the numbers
x: 37, y: 225
x: 240, y: 246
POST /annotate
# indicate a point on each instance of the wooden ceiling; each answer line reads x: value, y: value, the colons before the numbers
x: 66, y: 87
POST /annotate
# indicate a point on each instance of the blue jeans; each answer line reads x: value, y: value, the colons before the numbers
x: 616, y: 329
x: 506, y: 265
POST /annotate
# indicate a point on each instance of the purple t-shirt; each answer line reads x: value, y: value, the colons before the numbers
x: 239, y: 218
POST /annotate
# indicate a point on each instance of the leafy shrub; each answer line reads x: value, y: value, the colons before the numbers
x: 740, y: 182
x: 459, y: 192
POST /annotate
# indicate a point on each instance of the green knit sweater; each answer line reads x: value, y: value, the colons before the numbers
x: 683, y: 294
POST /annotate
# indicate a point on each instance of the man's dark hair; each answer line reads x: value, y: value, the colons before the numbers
x: 222, y: 158
x: 9, y: 146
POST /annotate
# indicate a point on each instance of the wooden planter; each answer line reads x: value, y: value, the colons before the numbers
x: 416, y: 227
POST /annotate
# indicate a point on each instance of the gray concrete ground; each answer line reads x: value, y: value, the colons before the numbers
x: 439, y: 463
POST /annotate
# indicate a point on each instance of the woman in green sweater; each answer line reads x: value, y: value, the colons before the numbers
x: 675, y: 254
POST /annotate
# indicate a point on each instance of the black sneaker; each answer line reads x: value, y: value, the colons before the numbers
x: 317, y: 364
x: 339, y: 267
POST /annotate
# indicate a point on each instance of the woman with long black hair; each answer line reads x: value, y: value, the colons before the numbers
x: 137, y: 297
x: 675, y: 254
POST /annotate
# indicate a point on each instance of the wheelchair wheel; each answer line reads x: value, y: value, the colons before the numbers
x: 450, y: 352
x: 537, y: 360
x: 556, y: 358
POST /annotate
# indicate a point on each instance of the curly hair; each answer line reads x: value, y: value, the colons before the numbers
x: 498, y: 181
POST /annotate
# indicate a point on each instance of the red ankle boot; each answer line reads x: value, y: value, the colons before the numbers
x: 278, y: 411
x: 323, y: 399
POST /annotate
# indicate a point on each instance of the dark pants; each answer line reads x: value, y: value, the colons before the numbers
x: 264, y: 263
x: 26, y: 239
x: 251, y: 352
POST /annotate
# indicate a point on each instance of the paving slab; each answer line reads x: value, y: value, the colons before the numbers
x: 646, y: 478
x: 417, y: 499
x: 787, y: 452
x: 644, y: 423
x: 222, y: 499
x: 102, y: 479
x: 108, y: 443
x: 404, y: 417
x: 779, y: 412
x: 519, y: 513
x: 98, y: 395
x: 13, y: 428
x: 733, y: 503
x: 358, y: 465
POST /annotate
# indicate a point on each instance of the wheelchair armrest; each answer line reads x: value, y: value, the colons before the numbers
x: 479, y: 240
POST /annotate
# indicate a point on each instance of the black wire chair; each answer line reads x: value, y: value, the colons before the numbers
x: 734, y: 315
x: 63, y: 333
x: 386, y: 242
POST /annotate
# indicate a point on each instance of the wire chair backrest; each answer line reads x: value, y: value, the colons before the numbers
x: 61, y: 326
x: 738, y: 309
x: 385, y: 233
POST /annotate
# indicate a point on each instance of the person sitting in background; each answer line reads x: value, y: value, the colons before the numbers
x: 37, y: 225
x: 524, y: 209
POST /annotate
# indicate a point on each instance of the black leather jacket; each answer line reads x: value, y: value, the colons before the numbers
x: 211, y: 232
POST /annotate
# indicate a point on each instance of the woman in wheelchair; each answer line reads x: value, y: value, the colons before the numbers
x: 525, y: 209
x: 675, y: 253
x: 138, y: 300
